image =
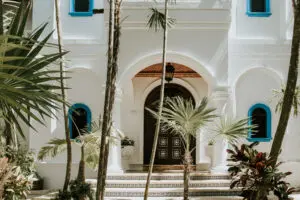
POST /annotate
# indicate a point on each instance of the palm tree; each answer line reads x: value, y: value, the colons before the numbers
x: 181, y: 117
x: 159, y: 21
x: 232, y: 130
x: 63, y: 94
x: 28, y: 90
x: 106, y: 113
x: 290, y: 86
x: 112, y: 71
x: 89, y: 143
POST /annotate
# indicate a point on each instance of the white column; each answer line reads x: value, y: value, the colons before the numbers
x: 114, y: 159
x: 202, y: 160
x: 220, y: 98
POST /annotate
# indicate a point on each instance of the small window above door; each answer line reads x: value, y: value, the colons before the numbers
x: 258, y: 8
x: 81, y: 8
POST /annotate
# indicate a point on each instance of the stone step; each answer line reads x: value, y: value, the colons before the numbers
x: 171, y: 192
x: 161, y: 183
x: 168, y: 176
x: 177, y: 198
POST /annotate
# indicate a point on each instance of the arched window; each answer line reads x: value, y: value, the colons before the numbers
x: 79, y: 119
x: 260, y: 115
x: 81, y: 7
x: 258, y: 8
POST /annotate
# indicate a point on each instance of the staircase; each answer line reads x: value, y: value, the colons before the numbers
x: 129, y: 186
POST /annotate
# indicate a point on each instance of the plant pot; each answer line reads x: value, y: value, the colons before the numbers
x: 127, y: 151
x: 209, y: 152
x: 37, y: 184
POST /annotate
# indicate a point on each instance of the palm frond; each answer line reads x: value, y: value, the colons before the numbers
x: 233, y: 130
x: 54, y: 147
x: 279, y: 94
x: 157, y: 20
x: 29, y: 87
x: 182, y: 117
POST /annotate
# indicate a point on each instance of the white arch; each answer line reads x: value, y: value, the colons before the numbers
x: 273, y: 73
x: 176, y: 57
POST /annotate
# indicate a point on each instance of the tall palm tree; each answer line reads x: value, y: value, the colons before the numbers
x: 181, y: 117
x: 159, y: 21
x: 290, y: 86
x: 28, y: 90
x: 107, y: 98
x: 64, y: 98
x: 113, y: 59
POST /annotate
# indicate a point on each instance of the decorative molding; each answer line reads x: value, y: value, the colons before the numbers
x: 180, y: 25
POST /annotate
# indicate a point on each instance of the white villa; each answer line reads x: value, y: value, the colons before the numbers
x: 233, y: 51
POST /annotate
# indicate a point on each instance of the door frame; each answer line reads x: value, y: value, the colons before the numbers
x: 183, y: 84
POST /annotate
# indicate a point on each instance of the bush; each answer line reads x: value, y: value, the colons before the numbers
x: 21, y: 165
x: 253, y: 171
x: 81, y: 190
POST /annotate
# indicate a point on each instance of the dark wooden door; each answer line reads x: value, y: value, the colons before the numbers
x: 170, y: 149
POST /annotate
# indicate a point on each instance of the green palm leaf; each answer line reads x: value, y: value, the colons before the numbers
x: 29, y: 87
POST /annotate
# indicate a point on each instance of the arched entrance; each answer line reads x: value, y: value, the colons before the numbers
x: 170, y: 149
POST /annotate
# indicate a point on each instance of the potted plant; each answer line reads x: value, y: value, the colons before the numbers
x: 127, y: 146
x: 209, y: 150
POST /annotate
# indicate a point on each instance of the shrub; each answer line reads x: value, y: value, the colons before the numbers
x: 253, y: 171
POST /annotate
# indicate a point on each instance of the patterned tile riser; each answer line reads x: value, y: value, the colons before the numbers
x: 170, y: 194
x: 195, y: 185
x: 167, y: 178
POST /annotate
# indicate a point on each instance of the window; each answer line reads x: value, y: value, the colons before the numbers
x: 258, y: 8
x: 81, y: 7
x: 79, y: 119
x: 260, y: 115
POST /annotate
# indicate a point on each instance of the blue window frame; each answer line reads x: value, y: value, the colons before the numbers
x: 260, y: 115
x: 81, y: 8
x: 258, y: 8
x: 79, y: 114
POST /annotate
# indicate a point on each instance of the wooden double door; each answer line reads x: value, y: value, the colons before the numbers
x: 170, y: 149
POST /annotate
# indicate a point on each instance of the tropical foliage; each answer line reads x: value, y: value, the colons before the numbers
x: 182, y: 117
x: 231, y: 130
x: 159, y: 21
x: 254, y: 172
x: 291, y: 85
x: 90, y: 142
x: 28, y: 89
x: 279, y: 94
x: 16, y: 173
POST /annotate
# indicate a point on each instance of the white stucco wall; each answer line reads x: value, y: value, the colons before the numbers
x: 247, y: 55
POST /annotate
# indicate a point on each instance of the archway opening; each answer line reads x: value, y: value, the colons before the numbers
x: 170, y: 149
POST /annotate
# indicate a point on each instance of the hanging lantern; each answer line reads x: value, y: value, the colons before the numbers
x: 170, y: 69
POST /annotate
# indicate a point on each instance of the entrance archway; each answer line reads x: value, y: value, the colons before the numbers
x: 170, y: 149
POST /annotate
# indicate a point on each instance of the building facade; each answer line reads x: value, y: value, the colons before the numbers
x: 233, y: 51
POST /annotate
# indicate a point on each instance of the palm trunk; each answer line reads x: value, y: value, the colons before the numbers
x: 8, y: 133
x: 161, y: 101
x: 106, y: 121
x: 1, y: 18
x: 63, y: 94
x: 187, y: 170
x: 290, y: 88
x: 114, y: 72
x: 81, y: 171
